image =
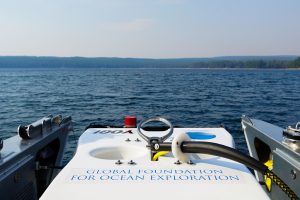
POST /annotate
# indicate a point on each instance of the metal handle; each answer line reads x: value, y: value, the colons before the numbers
x: 297, y: 126
x: 1, y: 144
x: 155, y: 119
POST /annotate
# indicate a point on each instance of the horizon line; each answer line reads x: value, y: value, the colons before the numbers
x: 164, y: 58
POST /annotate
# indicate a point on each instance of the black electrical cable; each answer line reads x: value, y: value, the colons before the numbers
x: 232, y: 154
x: 217, y: 150
x: 223, y: 151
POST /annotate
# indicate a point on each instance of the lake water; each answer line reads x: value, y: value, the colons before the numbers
x: 187, y: 97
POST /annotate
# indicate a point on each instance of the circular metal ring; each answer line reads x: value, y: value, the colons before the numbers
x: 155, y: 119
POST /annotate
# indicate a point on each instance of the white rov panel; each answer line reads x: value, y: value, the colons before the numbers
x: 95, y: 171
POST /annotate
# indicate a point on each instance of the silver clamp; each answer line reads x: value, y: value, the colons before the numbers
x: 158, y: 139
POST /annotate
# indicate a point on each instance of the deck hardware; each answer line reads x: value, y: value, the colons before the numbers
x: 137, y: 140
x: 131, y: 162
x: 293, y: 174
x: 127, y: 140
x: 190, y: 162
x: 1, y: 144
x: 177, y: 162
x: 154, y: 140
x: 119, y: 162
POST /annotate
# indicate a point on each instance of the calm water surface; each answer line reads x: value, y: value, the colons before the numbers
x: 187, y: 97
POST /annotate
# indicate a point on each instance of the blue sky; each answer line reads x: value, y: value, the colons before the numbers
x: 151, y: 29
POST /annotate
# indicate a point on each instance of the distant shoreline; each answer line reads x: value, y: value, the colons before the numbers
x: 79, y: 68
x: 231, y: 62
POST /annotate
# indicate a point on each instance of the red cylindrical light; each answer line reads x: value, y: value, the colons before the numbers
x: 130, y: 121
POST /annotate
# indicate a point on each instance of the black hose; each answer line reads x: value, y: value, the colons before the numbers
x: 217, y: 150
x: 222, y: 151
x: 232, y: 154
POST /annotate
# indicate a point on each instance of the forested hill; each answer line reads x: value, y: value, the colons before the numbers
x: 105, y: 62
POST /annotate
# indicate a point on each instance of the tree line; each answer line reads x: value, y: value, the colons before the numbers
x: 275, y: 62
x: 261, y: 64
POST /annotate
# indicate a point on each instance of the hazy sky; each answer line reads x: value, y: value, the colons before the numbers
x: 152, y: 28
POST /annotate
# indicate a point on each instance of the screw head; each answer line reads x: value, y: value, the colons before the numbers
x: 190, y: 162
x: 119, y: 162
x: 293, y: 174
x: 177, y: 162
x: 131, y: 162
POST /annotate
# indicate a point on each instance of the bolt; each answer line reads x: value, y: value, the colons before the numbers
x: 177, y: 162
x: 156, y: 146
x: 137, y: 140
x: 127, y: 140
x: 119, y: 162
x: 293, y: 174
x: 131, y: 162
x: 190, y: 162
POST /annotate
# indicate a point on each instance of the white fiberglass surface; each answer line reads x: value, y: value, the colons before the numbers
x: 119, y: 152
